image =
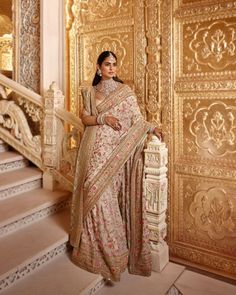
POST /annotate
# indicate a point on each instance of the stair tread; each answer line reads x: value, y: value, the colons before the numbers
x: 19, y: 176
x: 10, y: 156
x: 59, y: 277
x: 28, y: 202
x: 30, y: 242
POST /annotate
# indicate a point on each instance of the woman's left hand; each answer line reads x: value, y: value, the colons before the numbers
x: 158, y: 133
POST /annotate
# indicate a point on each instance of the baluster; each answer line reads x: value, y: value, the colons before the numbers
x: 155, y: 188
x: 51, y: 134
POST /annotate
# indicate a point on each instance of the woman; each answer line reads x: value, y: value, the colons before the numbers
x: 108, y: 223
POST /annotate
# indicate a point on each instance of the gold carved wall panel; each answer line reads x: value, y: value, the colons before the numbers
x: 202, y: 227
x: 209, y: 47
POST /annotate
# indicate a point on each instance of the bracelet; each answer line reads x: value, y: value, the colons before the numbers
x: 100, y: 119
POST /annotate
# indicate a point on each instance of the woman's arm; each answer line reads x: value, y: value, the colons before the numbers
x: 108, y: 120
x: 89, y: 120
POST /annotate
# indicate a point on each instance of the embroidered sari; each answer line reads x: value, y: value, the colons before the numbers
x: 108, y: 224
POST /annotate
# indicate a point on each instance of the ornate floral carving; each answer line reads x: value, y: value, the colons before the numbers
x: 189, y: 108
x: 205, y: 9
x: 155, y: 188
x: 214, y: 129
x: 213, y: 212
x: 105, y: 7
x: 187, y: 86
x: 27, y: 38
x: 34, y: 111
x: 202, y: 165
x: 205, y: 170
x: 153, y: 49
x: 224, y: 265
x: 215, y: 45
x: 97, y: 9
x: 13, y: 119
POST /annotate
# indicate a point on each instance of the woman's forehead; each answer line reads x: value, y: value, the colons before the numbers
x: 110, y: 59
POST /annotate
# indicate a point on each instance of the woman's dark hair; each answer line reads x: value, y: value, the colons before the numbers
x: 100, y: 60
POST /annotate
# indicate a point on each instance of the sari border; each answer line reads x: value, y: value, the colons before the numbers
x: 115, y: 98
x: 118, y: 158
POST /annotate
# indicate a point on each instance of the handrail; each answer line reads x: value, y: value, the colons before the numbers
x: 21, y: 90
x: 70, y: 118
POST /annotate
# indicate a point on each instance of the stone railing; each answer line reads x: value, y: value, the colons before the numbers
x: 62, y: 135
x: 21, y: 113
x: 41, y: 130
x: 155, y: 187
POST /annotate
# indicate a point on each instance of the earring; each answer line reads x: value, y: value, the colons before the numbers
x: 99, y: 72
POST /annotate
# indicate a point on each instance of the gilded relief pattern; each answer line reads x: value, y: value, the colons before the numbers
x: 153, y: 68
x: 27, y: 43
x: 212, y: 211
x: 214, y: 129
x: 209, y: 47
x: 209, y: 208
x: 93, y: 10
x: 203, y: 163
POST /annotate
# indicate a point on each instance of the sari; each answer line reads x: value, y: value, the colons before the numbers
x: 108, y: 220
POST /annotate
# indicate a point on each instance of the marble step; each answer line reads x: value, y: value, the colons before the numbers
x: 19, y: 181
x: 31, y: 247
x: 29, y: 207
x: 3, y: 146
x: 11, y: 160
x: 59, y: 277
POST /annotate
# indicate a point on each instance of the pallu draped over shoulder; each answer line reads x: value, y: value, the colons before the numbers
x: 108, y: 223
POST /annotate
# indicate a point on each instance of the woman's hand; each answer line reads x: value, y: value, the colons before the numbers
x: 158, y: 133
x: 113, y: 122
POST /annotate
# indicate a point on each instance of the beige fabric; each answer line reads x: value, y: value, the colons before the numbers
x: 108, y: 225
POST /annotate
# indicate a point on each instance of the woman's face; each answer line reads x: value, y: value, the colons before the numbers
x: 108, y: 67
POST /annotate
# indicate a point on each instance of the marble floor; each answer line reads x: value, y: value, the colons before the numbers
x: 173, y: 280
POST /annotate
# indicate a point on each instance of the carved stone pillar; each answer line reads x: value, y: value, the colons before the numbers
x: 53, y: 99
x: 155, y: 188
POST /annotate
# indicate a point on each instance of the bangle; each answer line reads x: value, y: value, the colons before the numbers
x: 100, y: 119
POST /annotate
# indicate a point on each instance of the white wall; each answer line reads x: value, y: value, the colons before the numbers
x: 52, y: 43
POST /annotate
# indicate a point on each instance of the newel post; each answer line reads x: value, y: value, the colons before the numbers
x: 53, y: 99
x: 155, y: 188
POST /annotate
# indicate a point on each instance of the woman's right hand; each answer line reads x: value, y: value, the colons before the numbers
x: 113, y: 122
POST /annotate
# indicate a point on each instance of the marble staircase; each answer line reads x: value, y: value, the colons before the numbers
x: 34, y: 252
x: 34, y: 226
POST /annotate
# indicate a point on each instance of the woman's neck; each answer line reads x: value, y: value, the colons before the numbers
x: 106, y: 86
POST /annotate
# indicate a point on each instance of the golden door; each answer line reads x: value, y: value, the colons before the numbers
x: 180, y: 57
